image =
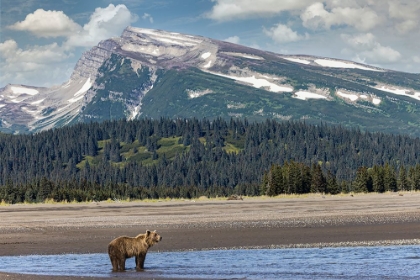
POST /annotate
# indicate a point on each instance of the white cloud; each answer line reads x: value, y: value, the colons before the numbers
x: 225, y: 10
x: 32, y: 64
x: 416, y: 59
x: 49, y: 64
x: 43, y: 23
x: 7, y: 49
x: 382, y: 54
x: 233, y: 39
x: 367, y: 49
x: 46, y: 54
x: 406, y: 13
x: 147, y: 16
x: 104, y: 23
x: 317, y: 17
x: 360, y: 42
x: 406, y: 26
x: 281, y: 33
x: 314, y: 14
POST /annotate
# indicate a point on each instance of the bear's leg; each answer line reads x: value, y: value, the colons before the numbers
x: 114, y: 263
x: 137, y: 263
x: 122, y: 264
x: 140, y: 261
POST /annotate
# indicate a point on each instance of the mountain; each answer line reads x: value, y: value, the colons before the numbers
x: 154, y: 73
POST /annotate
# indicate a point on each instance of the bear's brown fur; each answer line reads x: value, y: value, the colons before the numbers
x: 124, y: 247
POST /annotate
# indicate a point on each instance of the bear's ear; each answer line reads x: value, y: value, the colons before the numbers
x: 147, y: 232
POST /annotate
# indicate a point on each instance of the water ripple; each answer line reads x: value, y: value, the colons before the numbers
x: 381, y: 262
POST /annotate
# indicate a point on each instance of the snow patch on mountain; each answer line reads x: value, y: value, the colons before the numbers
x: 304, y: 95
x: 37, y: 102
x: 166, y: 37
x: 258, y: 83
x: 297, y: 60
x: 342, y: 64
x: 206, y: 55
x: 235, y: 105
x: 353, y: 96
x: 20, y: 90
x: 244, y: 55
x: 134, y: 106
x: 332, y: 63
x: 153, y: 50
x: 85, y: 87
x: 197, y: 93
x: 399, y: 91
x: 376, y: 100
x: 208, y: 64
x: 75, y: 99
x: 135, y: 112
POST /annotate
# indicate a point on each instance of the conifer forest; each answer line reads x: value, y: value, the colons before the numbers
x: 189, y: 158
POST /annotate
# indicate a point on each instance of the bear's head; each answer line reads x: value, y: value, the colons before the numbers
x: 153, y: 237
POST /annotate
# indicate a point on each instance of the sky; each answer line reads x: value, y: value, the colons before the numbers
x: 41, y: 40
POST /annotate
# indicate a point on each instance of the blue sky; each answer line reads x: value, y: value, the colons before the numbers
x: 41, y: 40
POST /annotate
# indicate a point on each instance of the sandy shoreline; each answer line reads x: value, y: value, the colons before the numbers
x: 310, y: 221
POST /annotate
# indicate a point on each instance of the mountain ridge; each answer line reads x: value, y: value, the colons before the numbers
x: 155, y: 73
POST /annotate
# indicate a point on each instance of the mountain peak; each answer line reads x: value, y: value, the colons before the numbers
x: 156, y: 73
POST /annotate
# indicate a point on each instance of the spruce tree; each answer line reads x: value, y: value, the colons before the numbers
x: 402, y: 179
x: 318, y: 180
x: 377, y: 175
x: 390, y: 180
x: 332, y: 185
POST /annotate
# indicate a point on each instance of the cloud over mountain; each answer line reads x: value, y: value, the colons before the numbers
x: 331, y: 28
x: 366, y: 47
x: 104, y: 23
x: 43, y: 23
x: 317, y: 17
x: 282, y: 33
x: 36, y: 60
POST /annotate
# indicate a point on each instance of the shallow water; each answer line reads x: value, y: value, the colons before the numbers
x: 390, y: 262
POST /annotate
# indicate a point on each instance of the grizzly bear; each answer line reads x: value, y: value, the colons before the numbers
x: 124, y: 247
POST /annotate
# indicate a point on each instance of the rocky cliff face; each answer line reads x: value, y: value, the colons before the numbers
x: 87, y: 66
x: 159, y: 48
x: 154, y: 73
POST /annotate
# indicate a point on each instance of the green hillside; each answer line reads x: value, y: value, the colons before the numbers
x: 169, y: 96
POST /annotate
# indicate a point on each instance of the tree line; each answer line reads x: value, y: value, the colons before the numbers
x: 217, y: 158
x: 298, y: 178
